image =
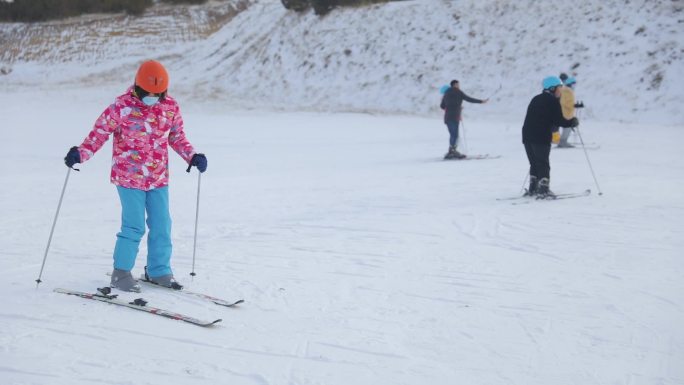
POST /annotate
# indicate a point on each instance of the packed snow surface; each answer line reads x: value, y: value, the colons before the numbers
x: 362, y: 256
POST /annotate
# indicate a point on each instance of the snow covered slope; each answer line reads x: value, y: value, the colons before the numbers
x: 627, y: 55
x: 363, y: 257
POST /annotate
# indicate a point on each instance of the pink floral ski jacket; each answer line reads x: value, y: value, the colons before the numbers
x: 140, y: 157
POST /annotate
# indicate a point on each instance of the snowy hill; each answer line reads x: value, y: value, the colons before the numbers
x: 627, y: 55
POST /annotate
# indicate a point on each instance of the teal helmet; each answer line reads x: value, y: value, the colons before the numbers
x: 570, y: 81
x: 551, y: 82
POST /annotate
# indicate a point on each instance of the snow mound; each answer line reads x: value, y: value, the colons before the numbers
x: 389, y: 58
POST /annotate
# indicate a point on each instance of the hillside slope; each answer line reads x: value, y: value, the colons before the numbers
x: 627, y: 55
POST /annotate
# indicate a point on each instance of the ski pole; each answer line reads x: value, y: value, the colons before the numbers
x: 588, y: 161
x: 194, y: 243
x: 579, y: 116
x: 522, y: 188
x: 52, y: 230
x: 495, y: 92
x: 465, y: 141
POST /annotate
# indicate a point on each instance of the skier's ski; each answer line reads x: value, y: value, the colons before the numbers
x: 588, y: 144
x: 481, y: 156
x: 476, y: 157
x: 206, y: 297
x: 138, y: 304
x: 555, y: 197
x: 588, y: 147
x: 515, y: 198
x: 217, y: 301
x: 567, y: 195
x: 534, y: 197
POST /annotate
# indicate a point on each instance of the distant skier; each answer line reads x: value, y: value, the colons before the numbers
x: 556, y: 136
x: 145, y: 120
x: 567, y: 101
x: 452, y: 104
x: 543, y: 114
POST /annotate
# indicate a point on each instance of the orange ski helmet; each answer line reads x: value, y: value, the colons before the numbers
x: 152, y: 77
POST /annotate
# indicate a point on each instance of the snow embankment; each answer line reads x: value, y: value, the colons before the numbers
x: 389, y: 58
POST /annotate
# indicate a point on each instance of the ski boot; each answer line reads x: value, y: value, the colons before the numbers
x: 124, y: 281
x: 453, y: 154
x: 543, y: 191
x: 165, y: 280
x: 534, y: 186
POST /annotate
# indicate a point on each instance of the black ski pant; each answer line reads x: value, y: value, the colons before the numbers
x: 538, y: 155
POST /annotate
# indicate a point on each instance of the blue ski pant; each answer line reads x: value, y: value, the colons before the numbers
x: 452, y: 125
x: 134, y: 204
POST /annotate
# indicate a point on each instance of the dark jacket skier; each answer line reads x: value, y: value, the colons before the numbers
x: 451, y: 104
x: 543, y: 114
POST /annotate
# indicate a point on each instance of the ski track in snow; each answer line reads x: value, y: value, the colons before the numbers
x: 358, y: 260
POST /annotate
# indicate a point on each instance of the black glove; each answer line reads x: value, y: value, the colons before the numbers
x: 574, y: 122
x: 579, y: 105
x: 72, y: 157
x: 199, y: 161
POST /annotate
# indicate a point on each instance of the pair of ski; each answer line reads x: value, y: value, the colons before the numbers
x: 104, y: 295
x: 579, y: 146
x: 525, y: 199
x: 474, y: 157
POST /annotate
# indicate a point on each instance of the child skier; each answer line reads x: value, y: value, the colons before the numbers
x: 543, y: 114
x: 145, y: 120
x: 451, y: 104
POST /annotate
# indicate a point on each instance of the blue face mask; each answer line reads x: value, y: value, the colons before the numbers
x: 150, y: 100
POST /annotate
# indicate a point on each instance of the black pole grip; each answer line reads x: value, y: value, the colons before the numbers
x: 190, y: 163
